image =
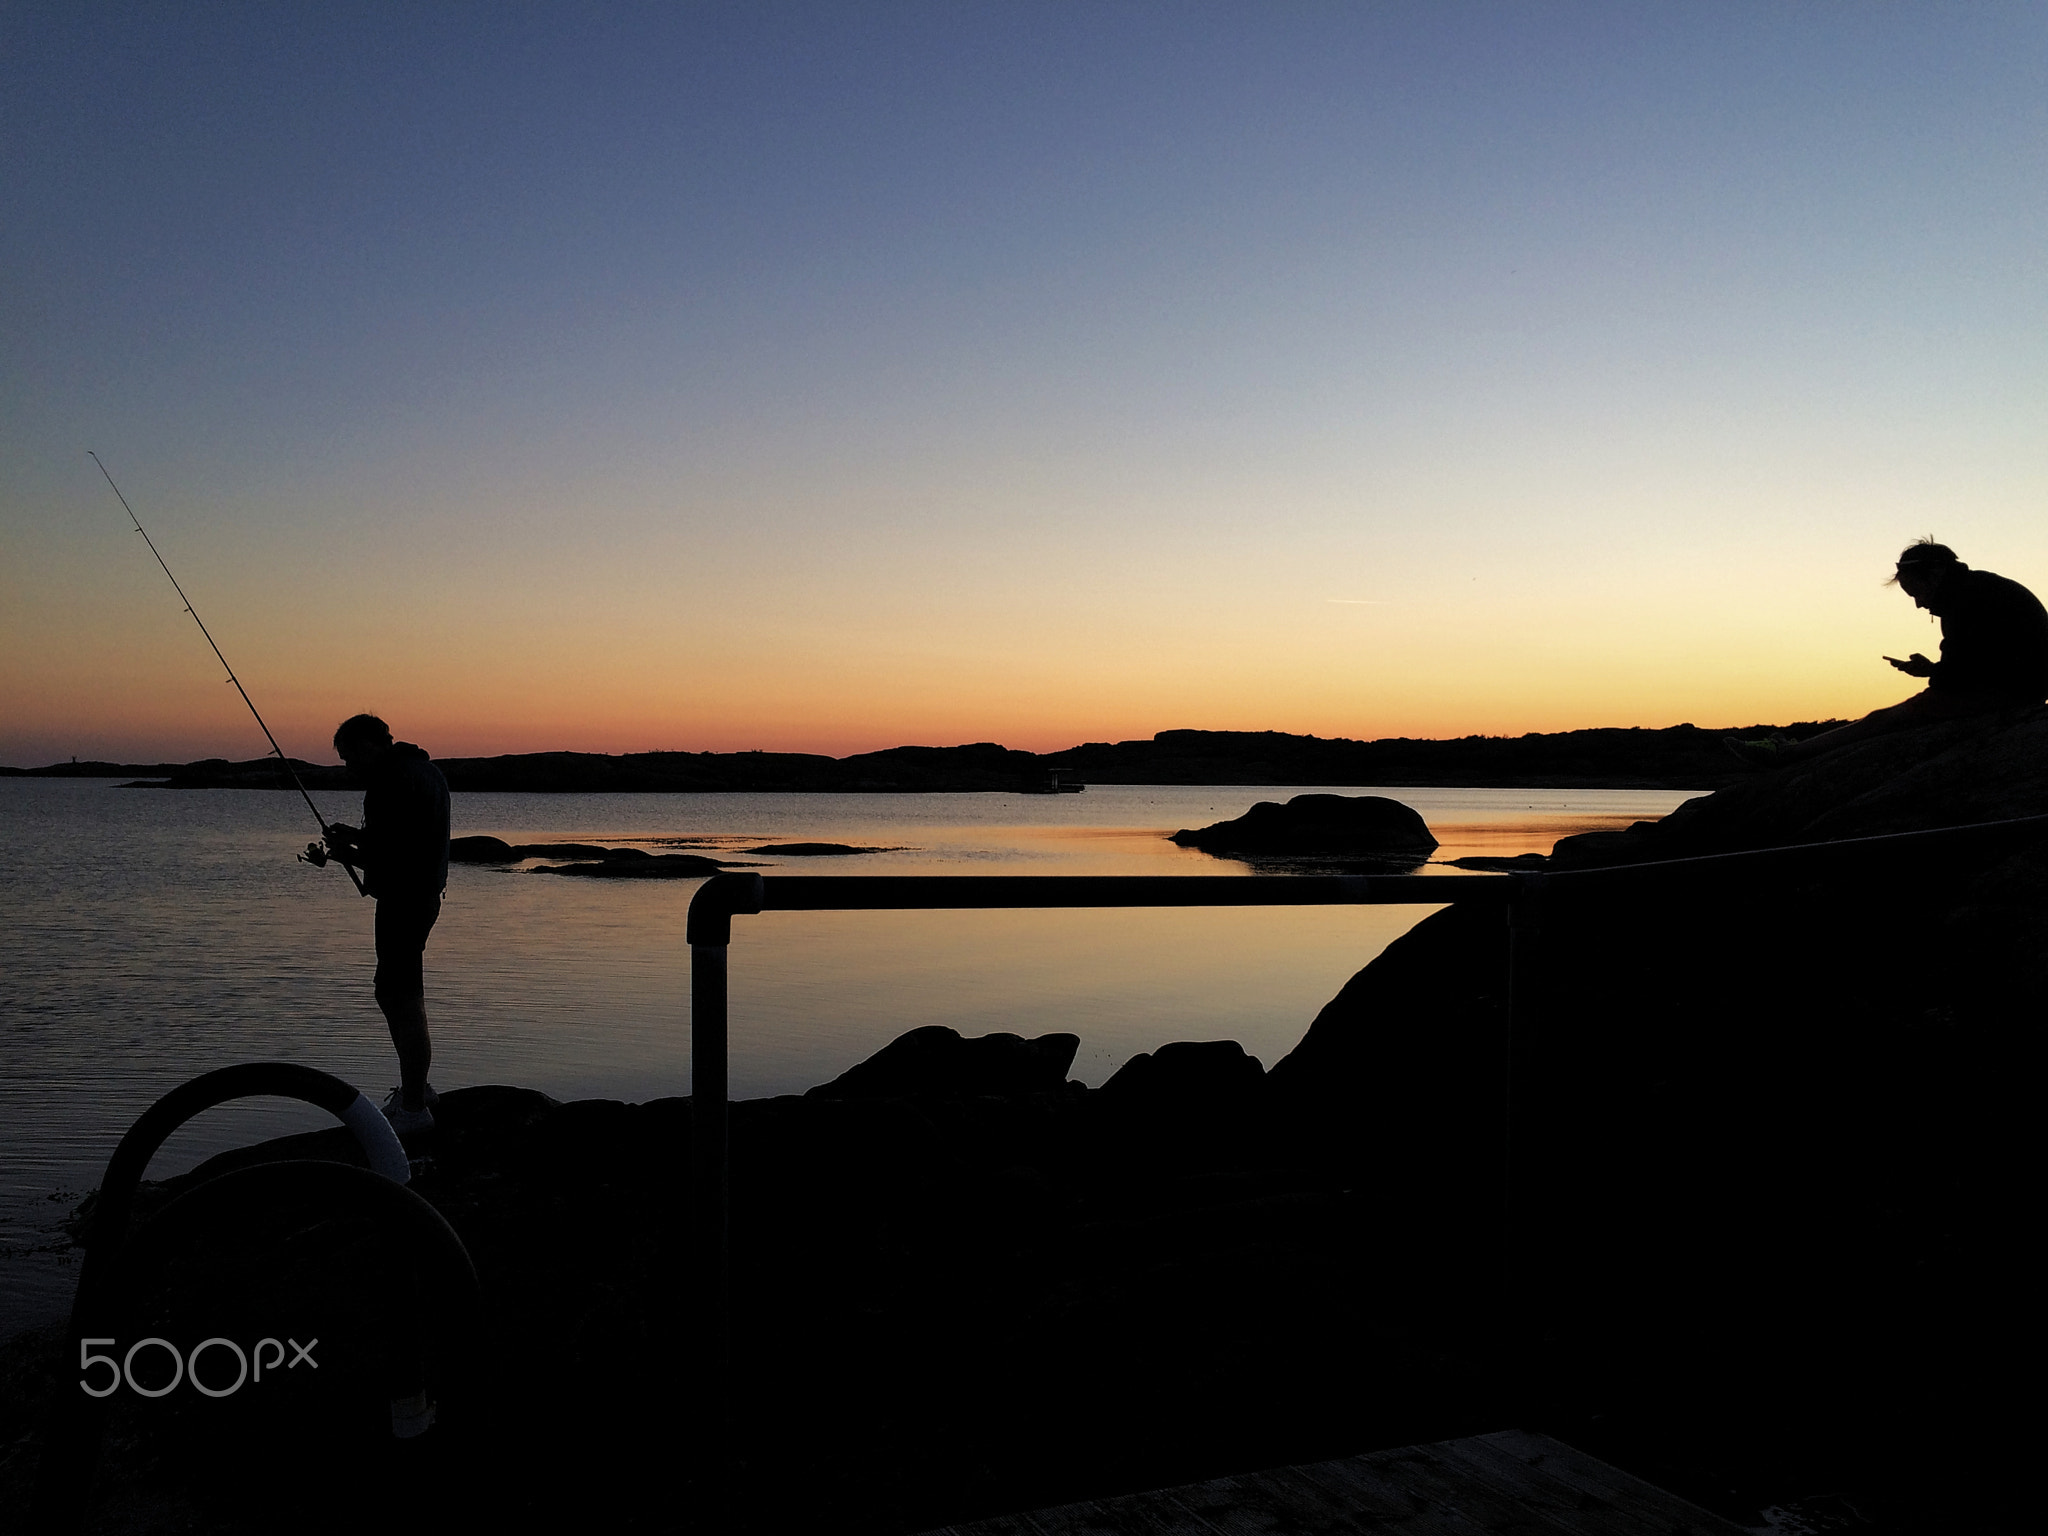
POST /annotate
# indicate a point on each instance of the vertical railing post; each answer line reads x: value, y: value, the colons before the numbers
x: 1522, y: 1312
x: 710, y: 1339
x: 710, y: 939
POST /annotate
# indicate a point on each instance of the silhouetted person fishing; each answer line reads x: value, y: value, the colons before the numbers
x: 402, y: 850
x: 1994, y: 655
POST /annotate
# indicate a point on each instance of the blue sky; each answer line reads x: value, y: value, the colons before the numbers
x: 827, y: 377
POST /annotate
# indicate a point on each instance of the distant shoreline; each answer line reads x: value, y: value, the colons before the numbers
x: 1673, y: 757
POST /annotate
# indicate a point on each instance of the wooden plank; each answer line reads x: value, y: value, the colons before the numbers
x: 993, y: 1525
x: 1592, y: 1507
x: 1511, y: 1483
x: 1454, y: 1498
x: 1491, y: 1498
x: 1646, y: 1503
x: 1377, y: 1487
x: 1130, y: 1514
x: 1583, y: 1512
x: 1604, y: 1500
x: 1286, y: 1502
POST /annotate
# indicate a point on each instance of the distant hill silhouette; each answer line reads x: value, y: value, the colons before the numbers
x: 1674, y: 757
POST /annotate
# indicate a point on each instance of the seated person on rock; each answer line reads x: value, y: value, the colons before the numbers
x: 1994, y: 655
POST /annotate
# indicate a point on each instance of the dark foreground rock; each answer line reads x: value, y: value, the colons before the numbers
x: 1188, y: 1075
x: 945, y: 1305
x: 1352, y: 826
x: 937, y: 1062
x: 1779, y: 1119
x: 1992, y: 768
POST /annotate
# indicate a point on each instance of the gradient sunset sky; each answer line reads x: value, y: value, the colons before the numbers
x: 829, y: 377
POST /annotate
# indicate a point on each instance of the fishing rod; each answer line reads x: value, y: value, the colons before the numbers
x: 287, y: 762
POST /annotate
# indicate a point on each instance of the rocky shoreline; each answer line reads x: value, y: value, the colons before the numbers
x: 1784, y: 1131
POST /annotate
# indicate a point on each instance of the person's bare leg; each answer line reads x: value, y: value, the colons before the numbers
x: 406, y: 1017
x: 1921, y: 709
x: 1877, y: 723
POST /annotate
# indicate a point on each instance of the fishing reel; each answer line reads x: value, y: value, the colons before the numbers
x: 319, y: 855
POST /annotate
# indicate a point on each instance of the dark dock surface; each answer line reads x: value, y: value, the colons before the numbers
x: 1489, y: 1485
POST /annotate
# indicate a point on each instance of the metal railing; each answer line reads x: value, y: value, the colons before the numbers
x: 1524, y: 896
x: 723, y: 897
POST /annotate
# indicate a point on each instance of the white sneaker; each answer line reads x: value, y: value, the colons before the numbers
x: 403, y: 1119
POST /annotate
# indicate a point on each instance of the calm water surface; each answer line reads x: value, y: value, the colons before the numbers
x: 149, y: 936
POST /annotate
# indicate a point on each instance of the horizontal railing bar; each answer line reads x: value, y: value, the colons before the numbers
x: 1970, y: 833
x: 727, y: 895
x: 841, y: 893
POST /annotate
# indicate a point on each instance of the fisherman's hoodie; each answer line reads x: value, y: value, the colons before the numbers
x: 405, y: 826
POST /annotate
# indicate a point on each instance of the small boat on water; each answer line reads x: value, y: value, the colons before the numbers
x: 1052, y: 786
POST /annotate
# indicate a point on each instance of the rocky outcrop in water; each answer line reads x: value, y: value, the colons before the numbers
x: 1332, y: 826
x: 817, y: 850
x: 638, y: 864
x: 594, y: 860
x: 495, y: 850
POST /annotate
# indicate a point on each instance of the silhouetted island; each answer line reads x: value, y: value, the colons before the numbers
x: 1674, y: 757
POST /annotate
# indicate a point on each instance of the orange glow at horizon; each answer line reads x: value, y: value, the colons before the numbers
x: 132, y: 679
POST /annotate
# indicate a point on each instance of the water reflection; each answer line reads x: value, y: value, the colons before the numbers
x: 151, y: 936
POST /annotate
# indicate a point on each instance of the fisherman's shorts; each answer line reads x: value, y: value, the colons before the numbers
x: 403, y: 923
